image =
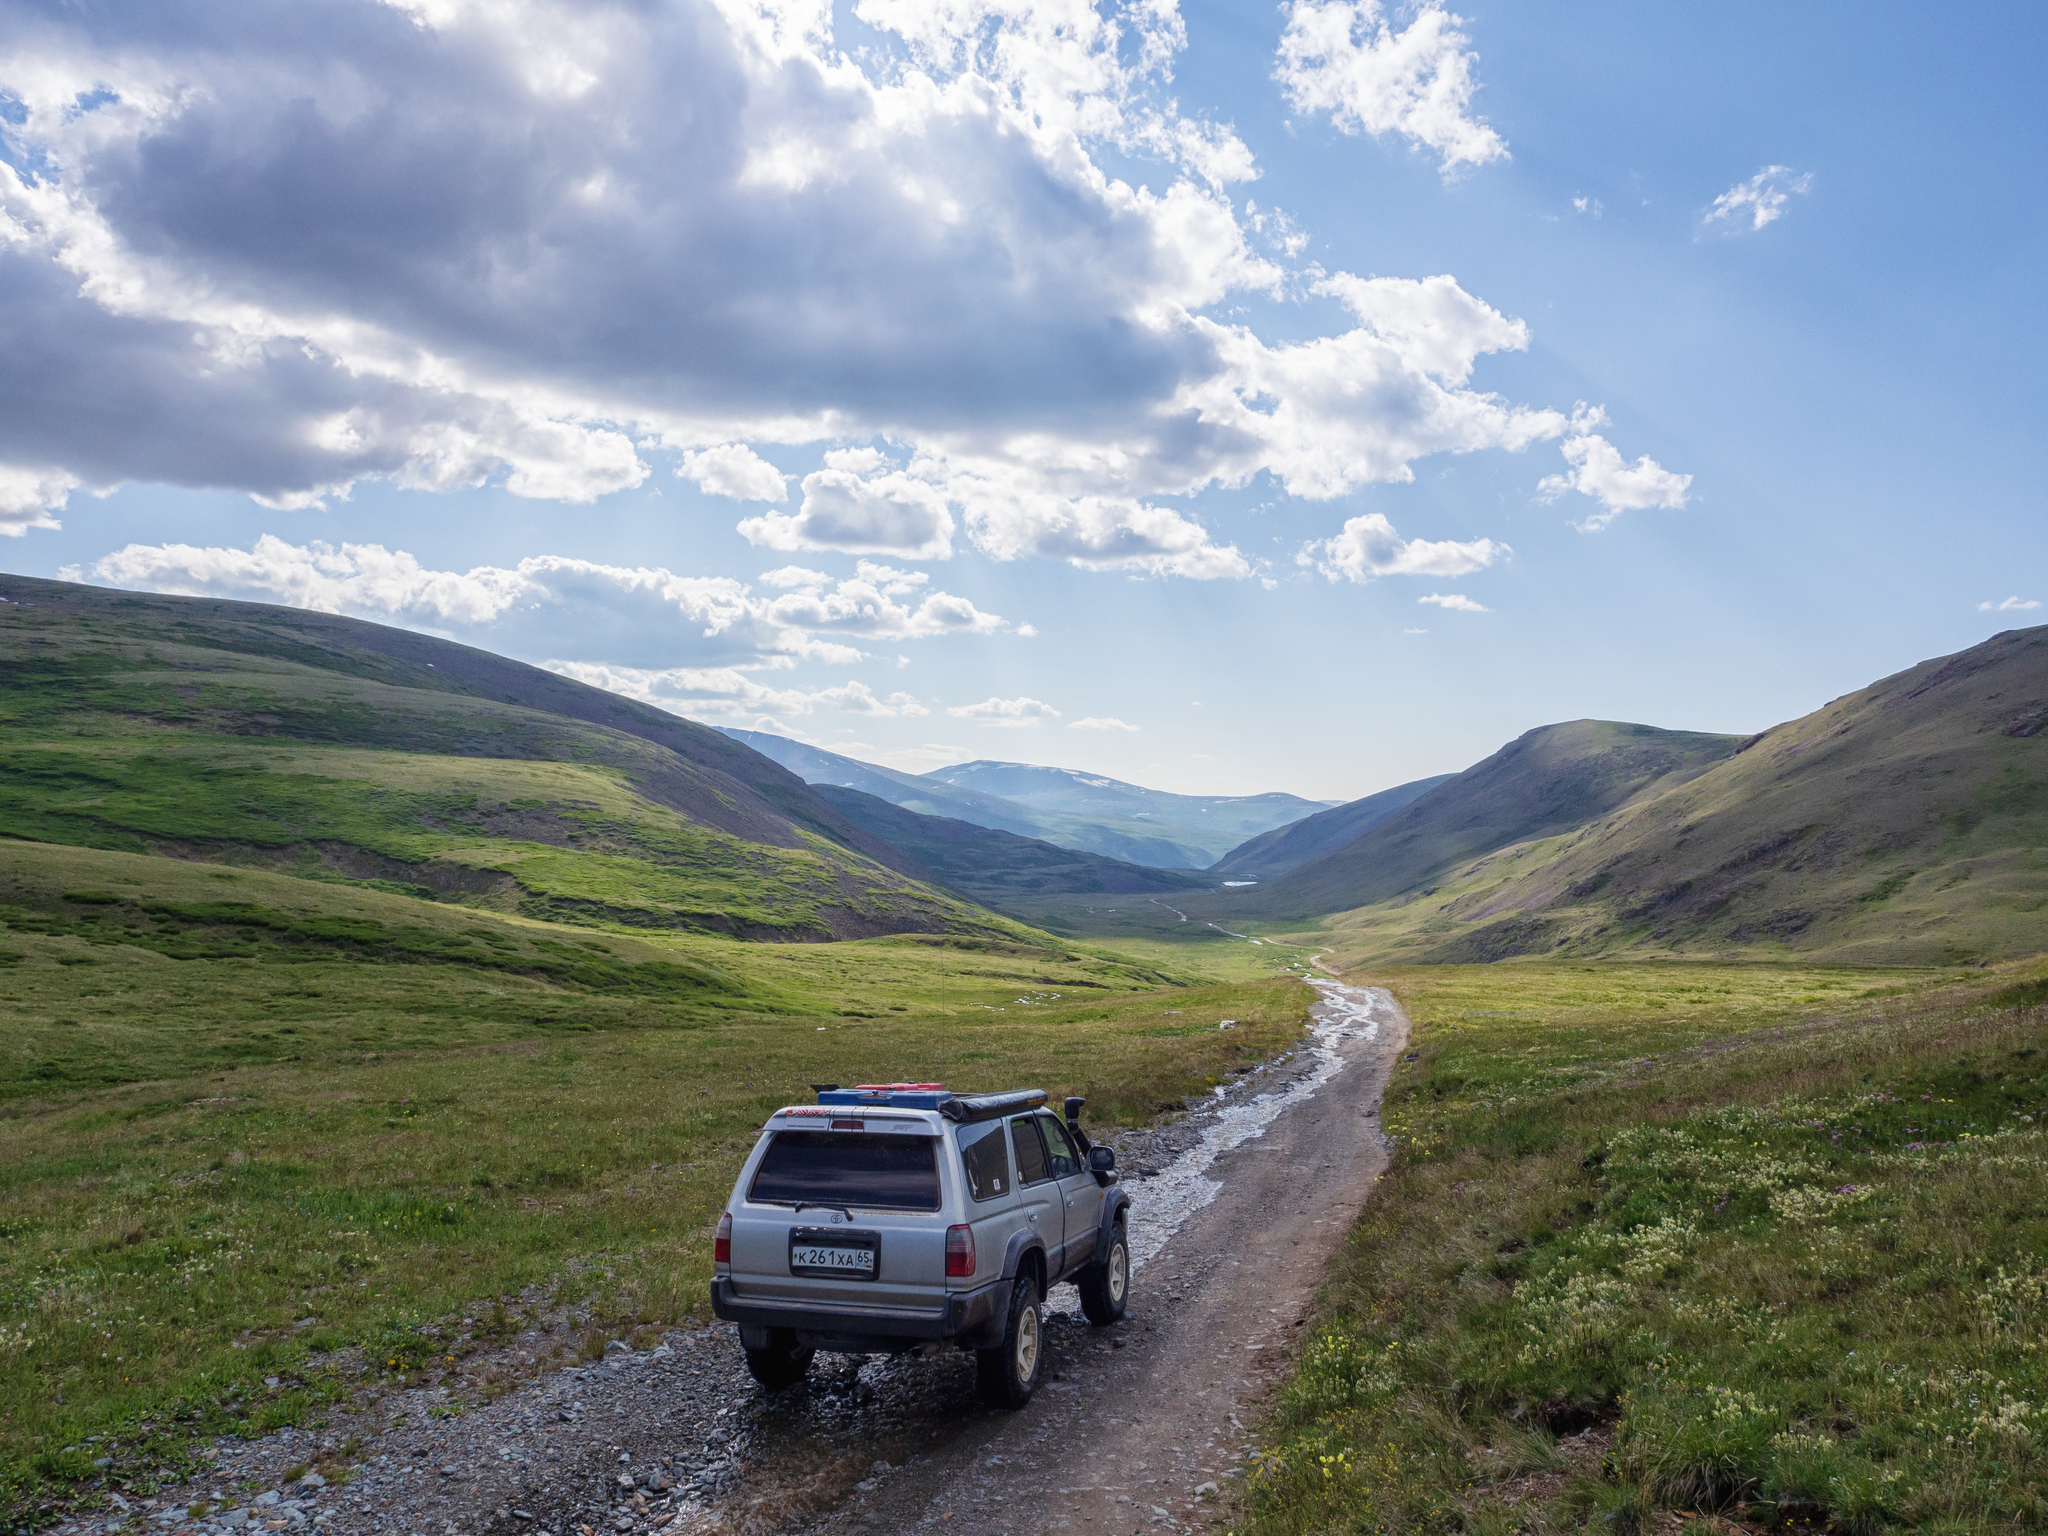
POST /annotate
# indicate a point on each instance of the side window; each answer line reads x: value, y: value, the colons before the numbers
x: 1063, y: 1160
x: 984, y: 1157
x: 1031, y: 1167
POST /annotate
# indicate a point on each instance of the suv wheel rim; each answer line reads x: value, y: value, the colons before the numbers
x: 1119, y: 1272
x: 1027, y: 1343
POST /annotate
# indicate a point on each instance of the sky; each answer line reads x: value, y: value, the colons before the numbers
x: 1226, y: 398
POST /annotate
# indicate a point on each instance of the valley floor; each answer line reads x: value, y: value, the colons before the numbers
x: 254, y: 1128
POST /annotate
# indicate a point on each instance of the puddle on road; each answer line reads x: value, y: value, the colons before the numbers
x: 1160, y: 1204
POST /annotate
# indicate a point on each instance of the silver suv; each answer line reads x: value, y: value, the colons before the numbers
x: 890, y: 1217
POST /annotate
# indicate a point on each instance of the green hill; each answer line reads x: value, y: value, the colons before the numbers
x: 996, y: 868
x: 1272, y: 854
x: 1906, y: 822
x: 335, y: 750
x: 1553, y: 779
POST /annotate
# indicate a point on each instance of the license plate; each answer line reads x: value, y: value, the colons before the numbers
x: 846, y: 1255
x: 862, y: 1259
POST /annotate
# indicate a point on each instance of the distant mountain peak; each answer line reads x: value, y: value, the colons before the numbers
x: 1068, y: 807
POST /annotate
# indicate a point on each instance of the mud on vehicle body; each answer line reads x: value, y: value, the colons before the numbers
x: 893, y: 1217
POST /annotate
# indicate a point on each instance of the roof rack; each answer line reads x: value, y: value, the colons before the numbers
x: 973, y: 1106
x: 900, y: 1095
x: 990, y: 1106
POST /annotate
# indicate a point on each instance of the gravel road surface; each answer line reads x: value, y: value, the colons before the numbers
x: 1144, y: 1426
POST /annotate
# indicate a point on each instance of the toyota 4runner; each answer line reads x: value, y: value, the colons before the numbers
x: 889, y: 1217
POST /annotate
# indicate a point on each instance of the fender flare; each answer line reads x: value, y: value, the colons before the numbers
x: 1022, y: 1243
x: 1115, y: 1213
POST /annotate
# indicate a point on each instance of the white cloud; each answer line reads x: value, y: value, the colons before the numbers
x: 1368, y: 546
x: 863, y: 606
x: 365, y: 580
x: 1598, y: 470
x: 626, y: 616
x: 918, y: 759
x: 1759, y: 200
x: 2014, y: 604
x: 735, y: 470
x: 889, y: 514
x: 1100, y: 723
x: 1414, y: 631
x: 858, y: 699
x: 1455, y: 602
x: 794, y: 576
x: 1100, y: 533
x: 997, y: 711
x: 523, y: 261
x: 888, y: 578
x: 29, y: 498
x: 1590, y: 205
x: 728, y: 693
x: 1327, y: 415
x: 1345, y: 59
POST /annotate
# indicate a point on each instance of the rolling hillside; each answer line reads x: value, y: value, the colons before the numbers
x: 1272, y: 854
x: 1130, y: 839
x: 995, y: 868
x: 340, y: 751
x: 1553, y: 779
x: 1905, y: 823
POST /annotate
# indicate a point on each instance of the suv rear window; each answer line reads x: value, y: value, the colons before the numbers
x: 888, y: 1173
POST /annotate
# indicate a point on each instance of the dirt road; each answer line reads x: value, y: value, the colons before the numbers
x: 1143, y: 1426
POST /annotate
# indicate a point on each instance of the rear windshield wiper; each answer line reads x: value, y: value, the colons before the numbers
x: 819, y: 1205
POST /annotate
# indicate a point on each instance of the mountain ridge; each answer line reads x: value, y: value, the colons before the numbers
x: 994, y: 867
x: 1129, y: 838
x: 1272, y: 854
x: 1905, y: 822
x: 1550, y: 779
x: 1076, y: 792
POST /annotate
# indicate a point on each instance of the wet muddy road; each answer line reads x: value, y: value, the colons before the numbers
x: 1141, y: 1426
x: 1146, y: 1425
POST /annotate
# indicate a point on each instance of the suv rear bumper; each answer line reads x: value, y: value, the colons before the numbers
x: 973, y: 1319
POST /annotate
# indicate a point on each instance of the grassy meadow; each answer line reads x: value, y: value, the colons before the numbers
x: 1765, y: 1242
x: 257, y: 1129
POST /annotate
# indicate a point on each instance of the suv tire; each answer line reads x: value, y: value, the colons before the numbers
x: 1010, y: 1370
x: 782, y: 1364
x: 1106, y: 1287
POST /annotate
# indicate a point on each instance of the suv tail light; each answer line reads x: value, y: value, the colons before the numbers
x: 959, y: 1252
x: 721, y: 1245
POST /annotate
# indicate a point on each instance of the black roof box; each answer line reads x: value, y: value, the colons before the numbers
x: 990, y: 1106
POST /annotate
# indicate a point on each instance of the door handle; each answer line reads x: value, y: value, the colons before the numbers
x: 1032, y: 1217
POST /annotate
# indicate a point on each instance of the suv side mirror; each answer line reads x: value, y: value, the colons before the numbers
x: 1101, y: 1160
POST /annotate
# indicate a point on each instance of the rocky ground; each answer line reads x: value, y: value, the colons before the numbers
x: 1143, y: 1424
